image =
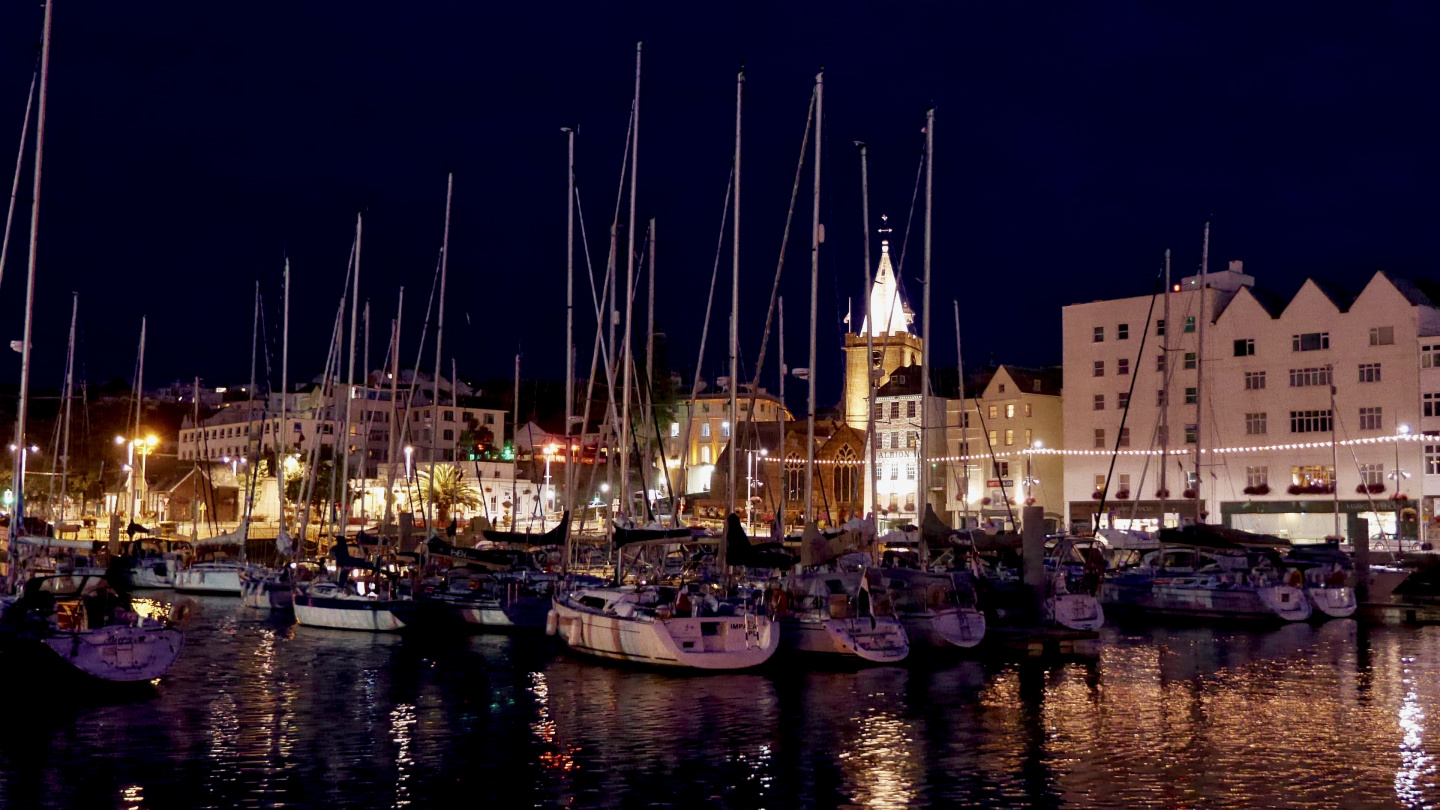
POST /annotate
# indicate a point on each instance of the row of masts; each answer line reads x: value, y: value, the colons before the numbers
x: 617, y: 358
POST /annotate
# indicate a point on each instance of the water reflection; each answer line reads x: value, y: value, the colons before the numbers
x: 262, y: 714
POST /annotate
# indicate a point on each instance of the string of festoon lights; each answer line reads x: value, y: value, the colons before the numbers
x: 1051, y: 451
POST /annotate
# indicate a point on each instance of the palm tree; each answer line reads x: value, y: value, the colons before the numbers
x: 451, y: 490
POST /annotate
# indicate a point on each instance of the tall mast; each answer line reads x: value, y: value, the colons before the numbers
x: 869, y: 329
x: 195, y: 467
x: 964, y: 429
x: 365, y: 412
x: 17, y: 519
x: 250, y: 431
x: 629, y: 302
x: 780, y: 414
x: 569, y: 329
x: 350, y: 386
x: 439, y: 333
x: 650, y: 372
x: 814, y: 302
x: 1200, y: 368
x: 139, y: 409
x: 396, y: 425
x: 15, y: 184
x: 69, y: 393
x: 734, y: 312
x: 922, y: 478
x: 282, y: 444
x: 515, y: 444
x: 1165, y: 395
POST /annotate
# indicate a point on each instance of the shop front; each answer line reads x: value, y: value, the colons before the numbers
x: 1132, y: 515
x: 1314, y: 520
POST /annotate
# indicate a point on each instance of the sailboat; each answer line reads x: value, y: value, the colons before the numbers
x: 504, y: 585
x: 646, y: 623
x: 79, y: 621
x: 266, y: 587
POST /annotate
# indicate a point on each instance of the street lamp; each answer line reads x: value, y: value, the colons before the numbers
x: 1031, y: 480
x: 549, y: 490
x: 409, y: 452
x: 749, y: 486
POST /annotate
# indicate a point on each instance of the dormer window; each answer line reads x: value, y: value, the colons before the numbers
x: 899, y: 379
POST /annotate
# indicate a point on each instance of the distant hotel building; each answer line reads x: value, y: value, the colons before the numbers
x: 1262, y: 414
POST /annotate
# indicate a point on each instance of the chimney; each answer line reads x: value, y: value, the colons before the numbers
x: 1237, y: 266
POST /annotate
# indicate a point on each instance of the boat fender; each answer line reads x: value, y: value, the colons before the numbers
x: 552, y: 623
x: 576, y: 634
x: 183, y: 609
x: 780, y: 602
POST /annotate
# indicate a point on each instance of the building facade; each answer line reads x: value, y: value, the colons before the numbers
x: 1249, y: 414
x: 1002, y: 453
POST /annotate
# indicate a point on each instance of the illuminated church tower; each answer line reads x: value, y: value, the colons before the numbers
x: 895, y: 346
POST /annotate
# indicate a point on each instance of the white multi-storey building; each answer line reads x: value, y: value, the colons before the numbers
x: 897, y: 448
x: 1249, y: 416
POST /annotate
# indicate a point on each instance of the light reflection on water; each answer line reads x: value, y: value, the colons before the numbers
x: 262, y: 714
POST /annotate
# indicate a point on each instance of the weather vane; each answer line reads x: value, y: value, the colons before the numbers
x: 884, y: 224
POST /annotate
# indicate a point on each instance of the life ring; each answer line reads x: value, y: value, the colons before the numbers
x: 542, y: 558
x: 183, y: 609
x: 1296, y: 578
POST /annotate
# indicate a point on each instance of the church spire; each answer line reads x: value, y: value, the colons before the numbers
x: 892, y: 315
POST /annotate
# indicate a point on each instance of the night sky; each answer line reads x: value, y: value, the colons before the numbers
x: 190, y: 146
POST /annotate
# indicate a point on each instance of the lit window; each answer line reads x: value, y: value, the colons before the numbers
x: 1370, y: 418
x: 994, y: 438
x: 705, y: 430
x: 1010, y: 411
x: 674, y: 430
x: 1028, y: 410
x: 1257, y: 477
x: 1009, y: 436
x: 724, y: 430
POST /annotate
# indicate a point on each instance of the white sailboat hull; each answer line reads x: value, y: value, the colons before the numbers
x: 945, y: 630
x: 209, y: 578
x: 709, y: 643
x: 148, y: 576
x: 118, y: 653
x: 265, y: 594
x: 882, y: 640
x: 1335, y: 603
x: 1075, y: 611
x: 375, y: 619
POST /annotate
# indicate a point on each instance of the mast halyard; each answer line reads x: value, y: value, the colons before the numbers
x: 282, y: 445
x: 439, y: 333
x: 922, y: 460
x: 69, y: 395
x: 1165, y: 397
x: 397, y: 423
x: 569, y: 333
x: 870, y: 437
x: 349, y: 420
x: 1200, y: 371
x: 731, y: 480
x: 814, y: 303
x: 19, y: 164
x: 17, y: 518
x: 965, y: 428
x: 252, y: 434
x: 626, y: 380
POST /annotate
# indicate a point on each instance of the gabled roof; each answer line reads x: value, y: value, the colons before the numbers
x: 905, y: 381
x: 1419, y: 292
x: 1048, y: 381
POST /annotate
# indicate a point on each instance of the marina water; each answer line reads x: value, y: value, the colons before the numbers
x: 260, y: 713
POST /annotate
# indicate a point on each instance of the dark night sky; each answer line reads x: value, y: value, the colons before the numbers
x: 190, y: 145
